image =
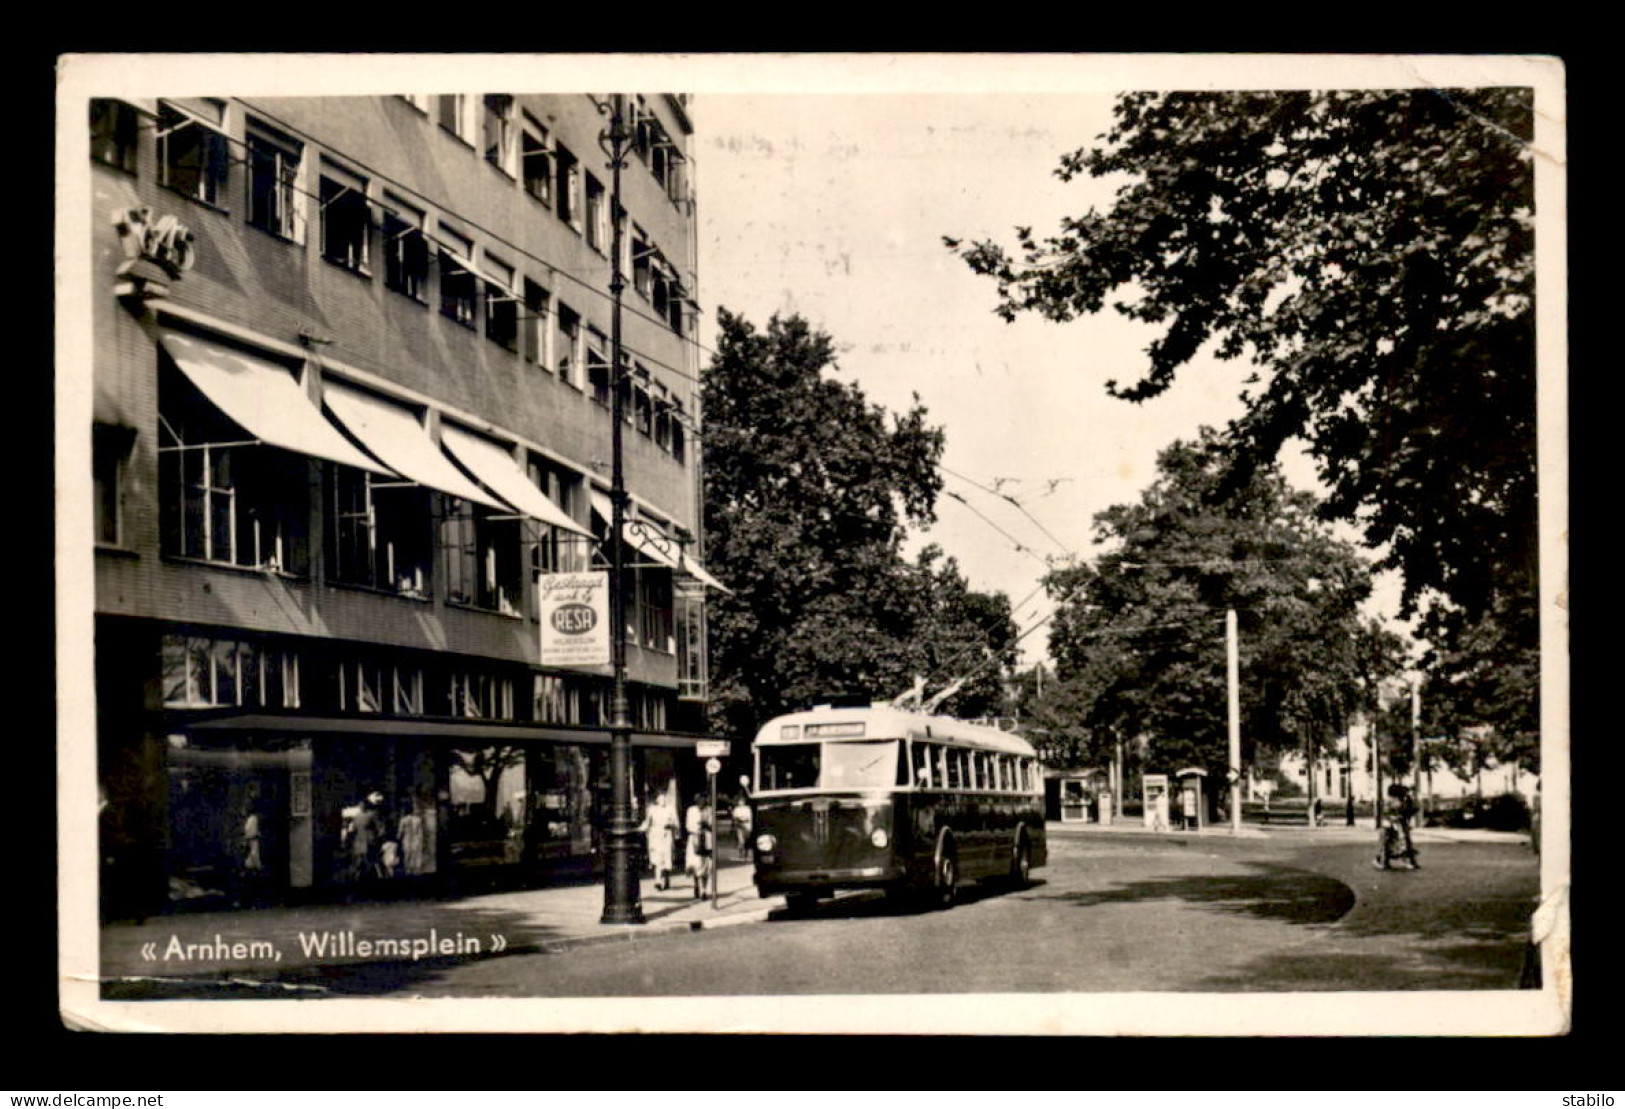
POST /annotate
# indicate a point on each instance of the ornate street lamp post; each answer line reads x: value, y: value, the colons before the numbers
x: 622, y: 903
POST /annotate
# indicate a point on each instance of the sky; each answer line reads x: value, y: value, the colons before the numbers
x: 834, y: 207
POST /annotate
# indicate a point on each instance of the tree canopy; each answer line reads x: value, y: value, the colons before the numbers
x: 809, y: 491
x: 1372, y: 253
x: 1139, y: 637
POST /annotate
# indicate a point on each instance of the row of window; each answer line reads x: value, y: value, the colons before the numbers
x: 937, y: 766
x: 516, y: 313
x: 247, y: 672
x: 227, y: 501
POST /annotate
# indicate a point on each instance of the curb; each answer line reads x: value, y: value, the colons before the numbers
x: 634, y: 932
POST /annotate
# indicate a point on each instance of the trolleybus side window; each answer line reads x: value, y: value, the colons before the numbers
x: 922, y: 763
x: 956, y: 772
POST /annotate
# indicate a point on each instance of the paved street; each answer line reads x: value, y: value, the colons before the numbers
x: 1298, y: 910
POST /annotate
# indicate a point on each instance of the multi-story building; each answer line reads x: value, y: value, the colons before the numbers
x: 352, y: 400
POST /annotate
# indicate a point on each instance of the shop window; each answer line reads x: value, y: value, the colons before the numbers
x: 536, y: 324
x: 222, y: 497
x: 455, y: 112
x: 113, y: 131
x: 567, y: 174
x: 192, y: 155
x: 406, y: 250
x: 275, y: 198
x: 110, y: 448
x: 536, y: 159
x: 378, y: 533
x: 199, y: 672
x: 489, y: 808
x: 346, y: 219
x: 568, y: 346
x: 482, y: 559
x: 597, y: 367
x: 501, y: 305
x: 498, y: 132
x: 597, y: 216
x: 458, y: 290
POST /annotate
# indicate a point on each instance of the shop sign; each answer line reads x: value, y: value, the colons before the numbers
x: 575, y: 619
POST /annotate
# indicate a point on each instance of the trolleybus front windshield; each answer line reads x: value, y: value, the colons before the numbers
x: 867, y: 764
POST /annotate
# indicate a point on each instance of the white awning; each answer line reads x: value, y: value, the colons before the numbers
x: 492, y: 464
x: 393, y: 433
x: 264, y: 398
x: 696, y: 571
x: 651, y: 541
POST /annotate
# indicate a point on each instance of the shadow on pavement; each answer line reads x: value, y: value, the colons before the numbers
x: 864, y: 904
x: 1275, y: 893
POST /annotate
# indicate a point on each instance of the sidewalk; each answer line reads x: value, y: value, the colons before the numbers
x: 1363, y: 828
x: 277, y: 941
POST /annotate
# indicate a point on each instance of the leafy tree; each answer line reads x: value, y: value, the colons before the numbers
x: 809, y: 489
x: 1139, y: 638
x: 960, y: 633
x: 1372, y: 253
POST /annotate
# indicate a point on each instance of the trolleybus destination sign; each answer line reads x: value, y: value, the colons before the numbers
x: 575, y: 619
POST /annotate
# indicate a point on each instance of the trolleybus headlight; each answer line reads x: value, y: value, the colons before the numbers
x: 765, y: 842
x: 879, y: 838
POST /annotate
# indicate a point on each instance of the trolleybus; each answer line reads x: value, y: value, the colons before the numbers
x: 882, y: 797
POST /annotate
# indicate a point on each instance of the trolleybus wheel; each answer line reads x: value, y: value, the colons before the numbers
x: 1021, y: 863
x: 947, y: 878
x: 800, y: 903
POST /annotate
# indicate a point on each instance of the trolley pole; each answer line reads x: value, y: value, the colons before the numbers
x: 622, y: 901
x: 1232, y: 667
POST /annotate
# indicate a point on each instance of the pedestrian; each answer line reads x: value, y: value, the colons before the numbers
x: 411, y: 840
x: 1314, y: 813
x: 660, y: 829
x: 250, y: 854
x: 363, y: 834
x: 1395, y: 841
x: 742, y: 821
x: 698, y: 859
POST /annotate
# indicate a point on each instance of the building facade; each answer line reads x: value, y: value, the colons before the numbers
x: 352, y: 403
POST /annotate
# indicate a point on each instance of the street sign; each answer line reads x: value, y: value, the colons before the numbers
x: 711, y: 748
x: 712, y: 766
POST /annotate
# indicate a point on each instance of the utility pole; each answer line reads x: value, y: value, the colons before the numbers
x: 1416, y: 742
x: 622, y: 900
x: 1232, y: 660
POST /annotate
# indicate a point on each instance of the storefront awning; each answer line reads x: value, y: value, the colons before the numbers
x: 653, y: 543
x: 493, y: 465
x: 393, y: 433
x: 264, y: 398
